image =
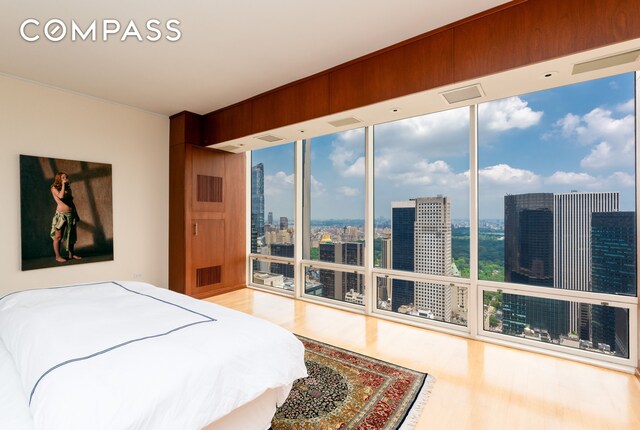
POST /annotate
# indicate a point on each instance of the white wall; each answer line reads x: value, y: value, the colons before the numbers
x: 42, y: 121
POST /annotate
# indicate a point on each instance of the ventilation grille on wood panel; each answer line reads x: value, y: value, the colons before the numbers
x: 208, y: 276
x: 209, y: 189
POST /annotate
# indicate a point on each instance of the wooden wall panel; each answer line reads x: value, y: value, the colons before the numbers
x: 177, y: 209
x: 539, y: 30
x: 289, y: 105
x: 185, y: 128
x: 227, y: 124
x: 235, y: 216
x: 420, y: 65
x: 512, y: 35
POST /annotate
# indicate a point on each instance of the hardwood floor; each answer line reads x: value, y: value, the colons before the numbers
x: 479, y: 385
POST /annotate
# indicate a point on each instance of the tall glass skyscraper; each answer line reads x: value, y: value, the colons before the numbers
x: 528, y: 239
x: 528, y: 259
x: 613, y: 271
x: 572, y: 213
x: 336, y: 284
x: 403, y: 218
x: 257, y: 205
x: 613, y: 253
x: 282, y: 250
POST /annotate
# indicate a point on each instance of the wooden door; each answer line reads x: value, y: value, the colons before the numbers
x: 207, y: 256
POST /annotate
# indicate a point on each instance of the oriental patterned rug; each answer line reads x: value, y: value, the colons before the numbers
x: 346, y: 390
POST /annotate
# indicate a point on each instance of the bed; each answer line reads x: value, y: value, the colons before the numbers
x: 128, y: 355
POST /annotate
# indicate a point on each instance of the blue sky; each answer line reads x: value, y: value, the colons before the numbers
x: 579, y: 137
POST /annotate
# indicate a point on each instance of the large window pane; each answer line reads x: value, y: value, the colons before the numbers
x: 439, y: 301
x: 333, y: 213
x: 272, y: 274
x: 421, y: 186
x: 602, y: 329
x: 333, y: 198
x: 335, y: 284
x: 272, y: 200
x: 557, y: 189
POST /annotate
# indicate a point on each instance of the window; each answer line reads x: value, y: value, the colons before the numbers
x: 602, y: 329
x: 557, y: 210
x: 272, y: 204
x: 421, y: 213
x: 333, y: 208
x: 557, y: 188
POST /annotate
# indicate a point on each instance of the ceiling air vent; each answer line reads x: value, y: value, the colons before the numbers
x: 345, y: 121
x: 462, y: 94
x: 603, y: 63
x: 228, y: 148
x: 269, y: 138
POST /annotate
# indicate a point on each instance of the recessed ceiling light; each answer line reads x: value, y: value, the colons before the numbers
x: 301, y: 131
x: 395, y: 109
x: 550, y: 74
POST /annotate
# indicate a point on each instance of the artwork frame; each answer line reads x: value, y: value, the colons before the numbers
x: 66, y: 212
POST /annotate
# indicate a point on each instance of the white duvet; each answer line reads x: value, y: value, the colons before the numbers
x: 128, y: 355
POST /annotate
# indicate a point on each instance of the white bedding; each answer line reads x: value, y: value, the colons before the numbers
x: 128, y: 355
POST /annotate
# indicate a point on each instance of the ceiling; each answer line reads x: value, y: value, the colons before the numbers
x: 229, y: 50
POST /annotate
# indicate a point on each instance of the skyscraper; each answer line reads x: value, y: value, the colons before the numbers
x: 337, y: 284
x: 284, y: 223
x: 384, y: 285
x: 528, y: 239
x: 613, y: 271
x: 613, y: 253
x: 572, y: 213
x: 403, y: 218
x: 257, y: 205
x: 282, y: 250
x: 432, y: 238
x: 544, y: 315
x: 270, y: 218
x: 528, y: 259
x: 421, y: 243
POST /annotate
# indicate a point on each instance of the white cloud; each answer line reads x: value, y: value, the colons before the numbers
x: 505, y: 114
x: 441, y: 134
x: 568, y: 124
x: 424, y: 173
x: 565, y: 181
x: 348, y: 191
x: 600, y: 156
x: 611, y: 139
x: 317, y: 187
x: 347, y: 153
x: 628, y: 107
x: 505, y: 174
x: 570, y: 178
x: 278, y: 184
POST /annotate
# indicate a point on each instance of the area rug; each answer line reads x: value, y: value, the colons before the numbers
x: 346, y: 390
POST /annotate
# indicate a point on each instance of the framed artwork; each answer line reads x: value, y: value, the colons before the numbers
x: 66, y: 212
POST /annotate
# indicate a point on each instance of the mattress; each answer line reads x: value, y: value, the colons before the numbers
x: 130, y: 355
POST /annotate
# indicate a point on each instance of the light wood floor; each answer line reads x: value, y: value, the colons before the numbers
x: 479, y: 385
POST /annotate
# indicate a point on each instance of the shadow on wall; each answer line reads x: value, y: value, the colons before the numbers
x: 91, y: 185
